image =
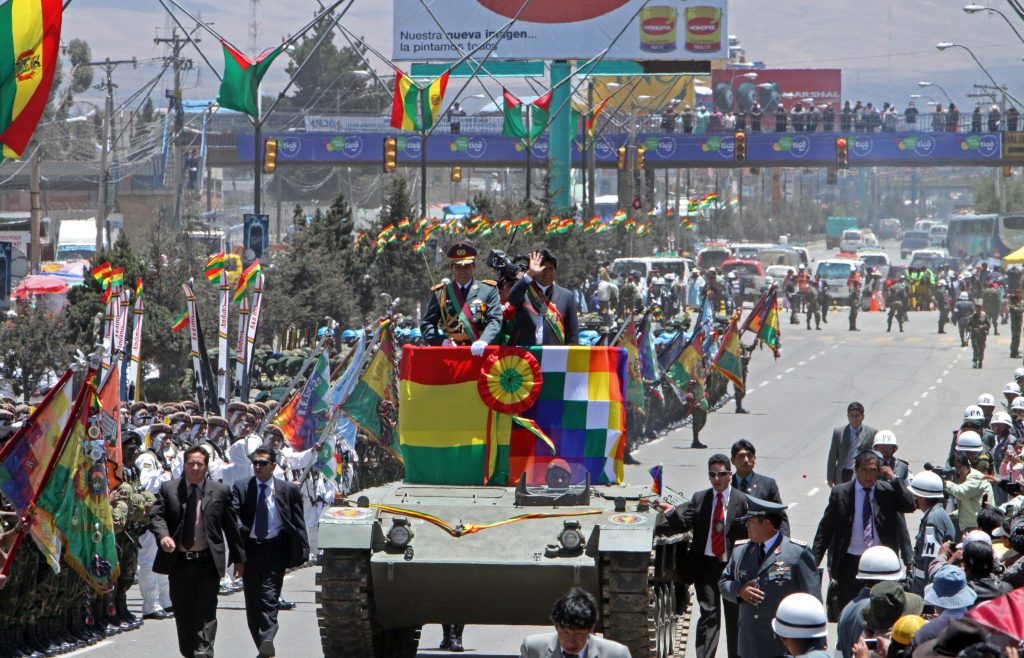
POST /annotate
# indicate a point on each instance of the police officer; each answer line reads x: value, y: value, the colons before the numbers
x: 1016, y: 311
x: 463, y: 311
x: 800, y: 626
x: 885, y: 445
x: 935, y: 528
x: 962, y: 311
x: 979, y: 325
x: 762, y: 572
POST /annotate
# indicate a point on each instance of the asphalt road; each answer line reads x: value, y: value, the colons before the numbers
x: 915, y: 383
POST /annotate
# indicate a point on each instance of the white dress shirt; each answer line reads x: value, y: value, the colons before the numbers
x: 708, y: 551
x: 857, y: 545
x: 273, y: 517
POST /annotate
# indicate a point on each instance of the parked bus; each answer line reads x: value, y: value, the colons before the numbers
x: 976, y: 236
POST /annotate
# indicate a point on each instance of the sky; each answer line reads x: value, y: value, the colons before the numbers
x: 883, y: 46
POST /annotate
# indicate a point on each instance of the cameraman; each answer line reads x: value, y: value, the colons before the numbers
x: 970, y: 489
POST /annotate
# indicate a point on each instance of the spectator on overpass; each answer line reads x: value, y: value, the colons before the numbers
x: 455, y: 114
x: 755, y: 118
x: 994, y: 119
x: 846, y: 117
x: 715, y: 122
x: 702, y: 120
x: 858, y: 117
x: 687, y: 116
x: 953, y: 119
x: 1012, y: 119
x: 828, y: 118
x: 938, y: 119
x: 668, y: 119
x: 976, y: 119
x: 780, y: 119
x: 910, y: 116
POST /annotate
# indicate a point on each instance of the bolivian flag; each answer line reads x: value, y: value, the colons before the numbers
x: 729, y: 361
x: 29, y: 41
x: 415, y: 108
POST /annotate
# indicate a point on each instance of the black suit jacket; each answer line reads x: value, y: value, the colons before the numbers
x: 765, y: 488
x: 696, y: 516
x: 288, y: 501
x: 524, y: 332
x: 891, y: 501
x: 167, y: 520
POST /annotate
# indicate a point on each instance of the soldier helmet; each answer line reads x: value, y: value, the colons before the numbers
x: 197, y: 420
x: 1002, y: 418
x: 885, y: 438
x: 262, y: 406
x: 968, y: 441
x: 986, y: 400
x: 6, y: 416
x: 170, y: 408
x: 462, y: 253
x: 138, y: 406
x: 179, y: 417
x: 236, y: 406
x: 1017, y: 404
x: 217, y: 421
x: 879, y: 563
x: 800, y: 615
x: 973, y: 413
x: 1018, y: 373
x: 927, y: 485
x: 964, y: 297
x: 943, y: 283
x: 159, y: 428
x: 1011, y: 388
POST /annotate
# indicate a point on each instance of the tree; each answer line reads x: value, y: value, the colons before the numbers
x: 987, y: 201
x: 32, y: 348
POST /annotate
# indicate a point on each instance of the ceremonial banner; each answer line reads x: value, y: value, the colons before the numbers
x: 635, y: 387
x: 689, y: 367
x: 373, y: 388
x: 305, y: 415
x: 133, y: 377
x: 223, y: 376
x: 251, y: 328
x: 74, y: 506
x: 28, y: 456
x: 240, y: 362
x: 450, y: 435
x: 729, y: 361
x: 110, y: 423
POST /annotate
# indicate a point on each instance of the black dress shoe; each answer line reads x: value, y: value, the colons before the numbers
x: 697, y: 444
x: 456, y: 645
x: 630, y: 459
x: 446, y: 645
x: 159, y: 615
x: 284, y: 605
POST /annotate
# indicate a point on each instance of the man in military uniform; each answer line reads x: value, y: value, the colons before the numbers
x: 979, y: 325
x: 740, y: 393
x: 854, y: 284
x: 897, y: 302
x: 463, y: 311
x: 1016, y: 311
x: 811, y: 303
x: 991, y: 302
x: 761, y: 572
x: 885, y: 445
x: 962, y: 311
x: 942, y: 303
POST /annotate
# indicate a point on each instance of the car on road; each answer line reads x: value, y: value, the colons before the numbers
x: 937, y: 235
x: 889, y: 229
x: 933, y: 259
x: 777, y: 273
x: 836, y: 271
x: 750, y: 273
x: 652, y: 265
x: 747, y: 250
x: 873, y: 257
x: 782, y: 255
x: 913, y: 240
x: 713, y: 255
x: 852, y: 240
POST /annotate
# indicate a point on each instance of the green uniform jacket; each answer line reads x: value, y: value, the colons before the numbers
x: 485, y: 312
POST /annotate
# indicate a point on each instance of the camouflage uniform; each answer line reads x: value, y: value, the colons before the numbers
x: 1016, y: 311
x: 979, y: 326
x: 990, y: 302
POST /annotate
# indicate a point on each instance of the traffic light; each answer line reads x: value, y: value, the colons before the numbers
x: 740, y: 146
x: 622, y: 158
x: 456, y: 174
x: 390, y: 154
x: 270, y: 156
x: 842, y: 155
x: 640, y: 151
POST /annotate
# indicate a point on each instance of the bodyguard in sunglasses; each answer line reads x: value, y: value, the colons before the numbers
x: 714, y: 517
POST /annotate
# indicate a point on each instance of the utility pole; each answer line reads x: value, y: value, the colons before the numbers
x: 989, y: 92
x: 180, y: 64
x: 591, y: 163
x: 107, y: 85
x: 33, y: 187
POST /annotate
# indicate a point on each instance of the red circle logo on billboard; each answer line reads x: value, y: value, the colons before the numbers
x: 658, y: 26
x: 553, y: 12
x: 702, y: 25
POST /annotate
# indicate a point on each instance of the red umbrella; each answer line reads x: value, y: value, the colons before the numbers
x: 1004, y: 614
x: 40, y: 284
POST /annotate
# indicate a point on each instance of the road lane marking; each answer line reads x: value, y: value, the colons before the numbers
x: 897, y: 422
x: 944, y: 373
x: 792, y: 505
x: 790, y: 370
x: 917, y: 402
x: 802, y: 363
x: 764, y: 383
x: 813, y: 491
x: 812, y: 357
x: 778, y: 376
x: 907, y: 413
x: 939, y: 380
x: 932, y: 387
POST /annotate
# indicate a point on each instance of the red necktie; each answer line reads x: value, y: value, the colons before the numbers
x: 718, y: 528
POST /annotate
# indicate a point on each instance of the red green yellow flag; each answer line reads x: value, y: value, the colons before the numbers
x: 100, y: 271
x: 375, y: 386
x: 29, y: 43
x: 590, y: 121
x: 513, y: 113
x: 215, y: 267
x: 416, y: 108
x: 248, y: 275
x: 181, y: 321
x: 729, y: 361
x: 239, y: 89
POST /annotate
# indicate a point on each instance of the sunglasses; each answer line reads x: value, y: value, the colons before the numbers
x: 719, y: 474
x: 261, y: 462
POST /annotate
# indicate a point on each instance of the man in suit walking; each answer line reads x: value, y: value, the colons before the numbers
x: 197, y: 531
x: 574, y: 617
x: 713, y: 516
x: 755, y: 485
x: 847, y: 442
x: 762, y: 572
x: 270, y: 519
x: 862, y: 513
x: 546, y: 313
x: 462, y: 311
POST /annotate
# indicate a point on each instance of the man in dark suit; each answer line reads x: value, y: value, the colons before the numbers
x: 862, y: 513
x: 193, y: 519
x: 463, y: 311
x: 744, y: 458
x: 713, y: 516
x: 546, y: 313
x: 272, y: 526
x: 847, y: 442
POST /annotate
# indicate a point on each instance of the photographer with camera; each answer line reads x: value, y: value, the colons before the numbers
x: 970, y: 489
x: 546, y: 313
x: 463, y: 311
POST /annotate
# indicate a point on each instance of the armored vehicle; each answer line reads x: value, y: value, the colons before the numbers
x: 444, y: 547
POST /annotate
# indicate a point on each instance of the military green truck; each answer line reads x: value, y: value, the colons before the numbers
x: 441, y: 548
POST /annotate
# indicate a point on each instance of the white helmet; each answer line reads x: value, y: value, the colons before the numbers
x: 943, y: 282
x: 1011, y: 388
x: 968, y: 441
x: 800, y: 616
x: 1017, y: 404
x: 879, y: 563
x: 1018, y: 373
x: 926, y: 485
x: 964, y: 297
x: 974, y: 412
x: 657, y: 281
x: 986, y: 400
x: 731, y: 275
x: 1001, y: 417
x: 885, y: 438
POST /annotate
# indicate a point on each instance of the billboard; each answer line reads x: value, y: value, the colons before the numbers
x: 562, y: 29
x: 739, y: 89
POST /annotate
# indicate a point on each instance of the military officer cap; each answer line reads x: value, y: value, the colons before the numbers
x: 198, y: 420
x: 153, y: 408
x: 462, y: 253
x: 262, y: 406
x: 236, y: 406
x: 217, y: 421
x: 160, y: 428
x: 6, y: 415
x: 271, y: 404
x: 190, y: 406
x: 179, y: 417
x: 761, y: 507
x: 6, y: 406
x: 138, y: 406
x: 170, y: 408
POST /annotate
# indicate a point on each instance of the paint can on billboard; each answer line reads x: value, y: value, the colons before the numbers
x: 658, y: 29
x: 703, y: 29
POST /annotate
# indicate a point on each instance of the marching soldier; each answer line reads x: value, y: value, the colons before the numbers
x: 979, y: 325
x: 942, y: 303
x: 811, y: 303
x: 463, y: 311
x: 762, y: 572
x: 962, y: 311
x: 1016, y: 315
x: 991, y: 300
x: 897, y: 302
x: 740, y: 393
x: 854, y: 283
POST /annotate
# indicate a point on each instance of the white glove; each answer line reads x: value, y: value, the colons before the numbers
x: 446, y: 343
x: 477, y: 348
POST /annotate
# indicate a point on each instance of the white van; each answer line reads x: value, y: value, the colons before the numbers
x: 836, y: 272
x: 937, y: 235
x: 647, y: 264
x: 851, y: 241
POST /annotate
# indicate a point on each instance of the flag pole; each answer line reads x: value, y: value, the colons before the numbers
x: 293, y: 384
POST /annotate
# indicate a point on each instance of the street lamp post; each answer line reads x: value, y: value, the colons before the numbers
x: 924, y: 84
x: 945, y: 45
x: 974, y: 9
